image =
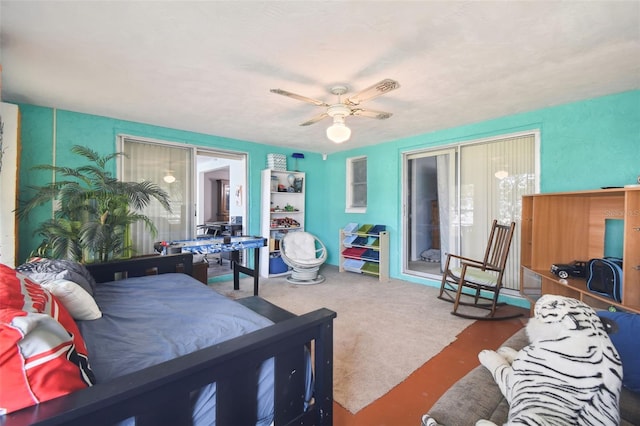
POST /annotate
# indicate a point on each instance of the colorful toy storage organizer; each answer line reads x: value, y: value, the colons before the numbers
x: 364, y: 249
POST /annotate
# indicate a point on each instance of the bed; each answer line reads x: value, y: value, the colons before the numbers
x: 193, y: 365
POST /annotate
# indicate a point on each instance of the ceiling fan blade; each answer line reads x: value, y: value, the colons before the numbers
x: 380, y: 115
x: 374, y: 91
x: 315, y: 119
x: 299, y: 97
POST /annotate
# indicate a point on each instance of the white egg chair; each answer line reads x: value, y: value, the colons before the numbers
x: 304, y: 253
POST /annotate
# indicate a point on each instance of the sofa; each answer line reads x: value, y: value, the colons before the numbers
x: 476, y: 396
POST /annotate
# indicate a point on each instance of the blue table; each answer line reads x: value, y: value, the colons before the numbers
x: 218, y: 245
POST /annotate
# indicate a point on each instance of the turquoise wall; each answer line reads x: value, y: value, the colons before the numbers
x: 39, y: 146
x: 584, y: 145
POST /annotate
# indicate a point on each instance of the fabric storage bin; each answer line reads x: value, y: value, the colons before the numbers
x: 277, y: 265
x: 353, y: 265
x: 371, y: 268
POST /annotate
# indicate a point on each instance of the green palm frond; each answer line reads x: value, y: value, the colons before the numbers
x: 141, y: 193
x: 94, y: 157
x: 60, y: 239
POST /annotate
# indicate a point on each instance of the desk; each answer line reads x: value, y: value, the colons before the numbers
x: 217, y: 245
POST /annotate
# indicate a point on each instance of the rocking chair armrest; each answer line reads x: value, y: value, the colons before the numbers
x: 479, y: 265
x: 469, y: 261
x: 457, y: 256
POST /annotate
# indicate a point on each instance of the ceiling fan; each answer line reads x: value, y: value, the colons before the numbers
x: 339, y: 132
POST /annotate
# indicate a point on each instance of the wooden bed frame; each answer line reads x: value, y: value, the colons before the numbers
x: 160, y: 394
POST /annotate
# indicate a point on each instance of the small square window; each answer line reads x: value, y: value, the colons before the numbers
x: 356, y: 185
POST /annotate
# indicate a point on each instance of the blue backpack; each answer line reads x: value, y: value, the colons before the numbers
x: 604, y: 277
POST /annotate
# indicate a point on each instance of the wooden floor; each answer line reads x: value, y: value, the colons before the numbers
x: 405, y: 404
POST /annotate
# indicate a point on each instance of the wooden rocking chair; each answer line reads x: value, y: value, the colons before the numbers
x: 479, y: 275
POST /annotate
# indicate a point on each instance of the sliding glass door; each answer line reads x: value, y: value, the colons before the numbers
x: 452, y: 196
x: 204, y: 185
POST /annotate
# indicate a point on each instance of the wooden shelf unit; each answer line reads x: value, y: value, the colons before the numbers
x: 382, y: 248
x: 567, y: 226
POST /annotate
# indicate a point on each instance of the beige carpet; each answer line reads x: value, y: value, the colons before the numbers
x: 383, y: 332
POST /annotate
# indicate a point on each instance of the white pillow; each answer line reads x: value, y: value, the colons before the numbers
x: 74, y: 298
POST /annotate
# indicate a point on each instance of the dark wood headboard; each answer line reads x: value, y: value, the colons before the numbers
x: 141, y: 266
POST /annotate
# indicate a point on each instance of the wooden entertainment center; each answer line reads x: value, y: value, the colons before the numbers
x: 567, y: 226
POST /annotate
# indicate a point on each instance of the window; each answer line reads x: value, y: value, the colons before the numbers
x: 356, y: 185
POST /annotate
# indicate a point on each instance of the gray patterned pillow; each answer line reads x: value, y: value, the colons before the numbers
x: 46, y: 270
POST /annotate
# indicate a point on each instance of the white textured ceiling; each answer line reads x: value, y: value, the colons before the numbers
x: 207, y: 66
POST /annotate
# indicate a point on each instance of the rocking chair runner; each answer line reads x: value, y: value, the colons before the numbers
x: 479, y: 275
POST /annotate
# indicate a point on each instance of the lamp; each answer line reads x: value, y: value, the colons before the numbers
x: 297, y: 155
x: 501, y: 174
x: 338, y: 132
x: 169, y: 177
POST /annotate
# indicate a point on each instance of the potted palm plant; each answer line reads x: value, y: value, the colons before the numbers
x: 94, y: 210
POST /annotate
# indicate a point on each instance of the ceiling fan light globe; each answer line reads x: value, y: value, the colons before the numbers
x: 338, y: 132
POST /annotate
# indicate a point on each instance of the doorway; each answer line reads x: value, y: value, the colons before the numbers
x: 221, y: 181
x: 215, y: 202
x: 221, y: 199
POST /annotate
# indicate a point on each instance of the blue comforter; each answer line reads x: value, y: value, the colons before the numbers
x: 148, y: 320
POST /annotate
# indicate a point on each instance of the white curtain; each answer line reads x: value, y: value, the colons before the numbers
x: 157, y: 163
x: 493, y: 177
x: 446, y: 205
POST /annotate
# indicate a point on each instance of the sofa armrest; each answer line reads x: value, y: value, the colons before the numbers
x: 629, y: 408
x: 473, y: 397
x: 476, y: 395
